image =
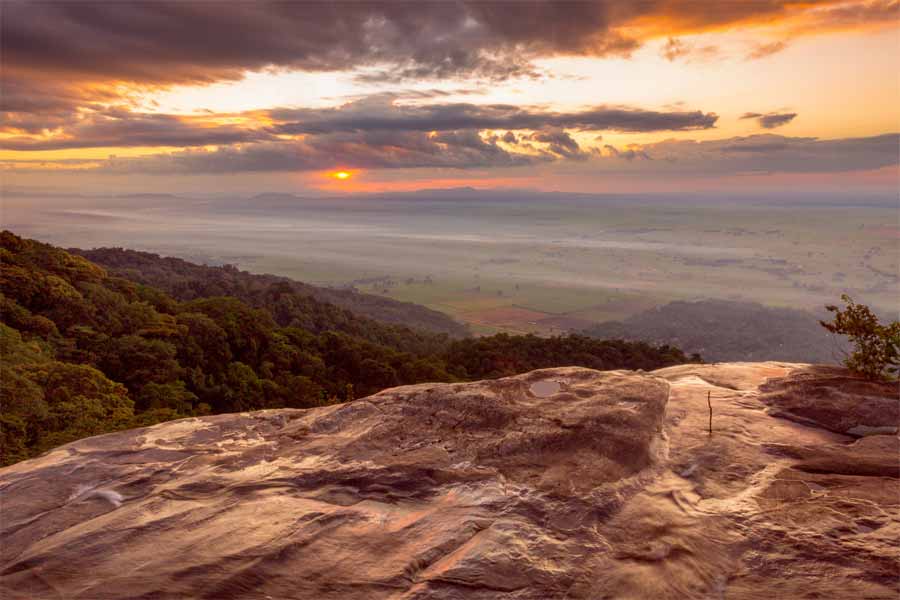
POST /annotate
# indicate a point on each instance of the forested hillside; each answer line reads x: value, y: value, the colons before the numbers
x: 185, y: 281
x: 85, y: 352
x: 723, y: 330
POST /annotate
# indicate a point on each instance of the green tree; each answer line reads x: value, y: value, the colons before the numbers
x: 171, y: 395
x: 876, y: 347
x: 46, y: 402
x: 81, y: 402
x: 21, y: 398
x: 204, y: 344
x: 244, y: 390
x: 136, y: 361
x: 249, y: 330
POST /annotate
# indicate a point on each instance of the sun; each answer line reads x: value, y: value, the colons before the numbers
x: 342, y: 175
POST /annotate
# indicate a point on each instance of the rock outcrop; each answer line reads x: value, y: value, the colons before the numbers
x: 829, y: 397
x: 560, y: 483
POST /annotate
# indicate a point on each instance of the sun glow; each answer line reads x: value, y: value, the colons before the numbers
x: 342, y: 175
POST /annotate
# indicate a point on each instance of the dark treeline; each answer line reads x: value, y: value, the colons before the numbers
x: 85, y: 352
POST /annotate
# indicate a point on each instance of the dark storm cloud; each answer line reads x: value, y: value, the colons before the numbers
x: 770, y: 120
x: 33, y: 106
x: 21, y: 95
x: 165, y: 42
x: 560, y: 143
x: 181, y: 42
x: 378, y: 113
x: 122, y: 128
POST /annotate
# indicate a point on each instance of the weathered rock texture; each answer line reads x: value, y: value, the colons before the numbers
x: 561, y: 483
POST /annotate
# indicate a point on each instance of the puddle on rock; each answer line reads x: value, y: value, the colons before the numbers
x: 542, y: 389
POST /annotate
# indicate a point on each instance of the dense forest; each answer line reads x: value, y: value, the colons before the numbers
x: 186, y: 281
x: 724, y: 331
x: 86, y: 352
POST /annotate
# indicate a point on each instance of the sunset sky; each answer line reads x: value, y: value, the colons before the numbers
x: 614, y: 95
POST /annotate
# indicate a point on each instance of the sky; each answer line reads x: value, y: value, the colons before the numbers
x: 601, y: 96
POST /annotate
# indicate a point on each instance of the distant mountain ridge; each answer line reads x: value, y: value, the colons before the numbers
x: 725, y: 331
x: 187, y: 281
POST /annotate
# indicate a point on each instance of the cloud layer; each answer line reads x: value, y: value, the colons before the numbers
x: 71, y: 70
x: 122, y: 128
x: 367, y: 150
x: 73, y: 52
x: 378, y: 114
x: 771, y: 120
x: 766, y: 153
x: 178, y: 42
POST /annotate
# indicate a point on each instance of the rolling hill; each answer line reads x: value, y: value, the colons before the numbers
x: 722, y: 330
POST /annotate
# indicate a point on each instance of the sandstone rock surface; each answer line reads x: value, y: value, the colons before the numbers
x: 560, y: 483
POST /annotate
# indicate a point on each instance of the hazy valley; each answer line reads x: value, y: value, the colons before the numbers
x: 513, y: 261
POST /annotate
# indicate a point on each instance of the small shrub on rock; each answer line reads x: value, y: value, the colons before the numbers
x: 876, y: 347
